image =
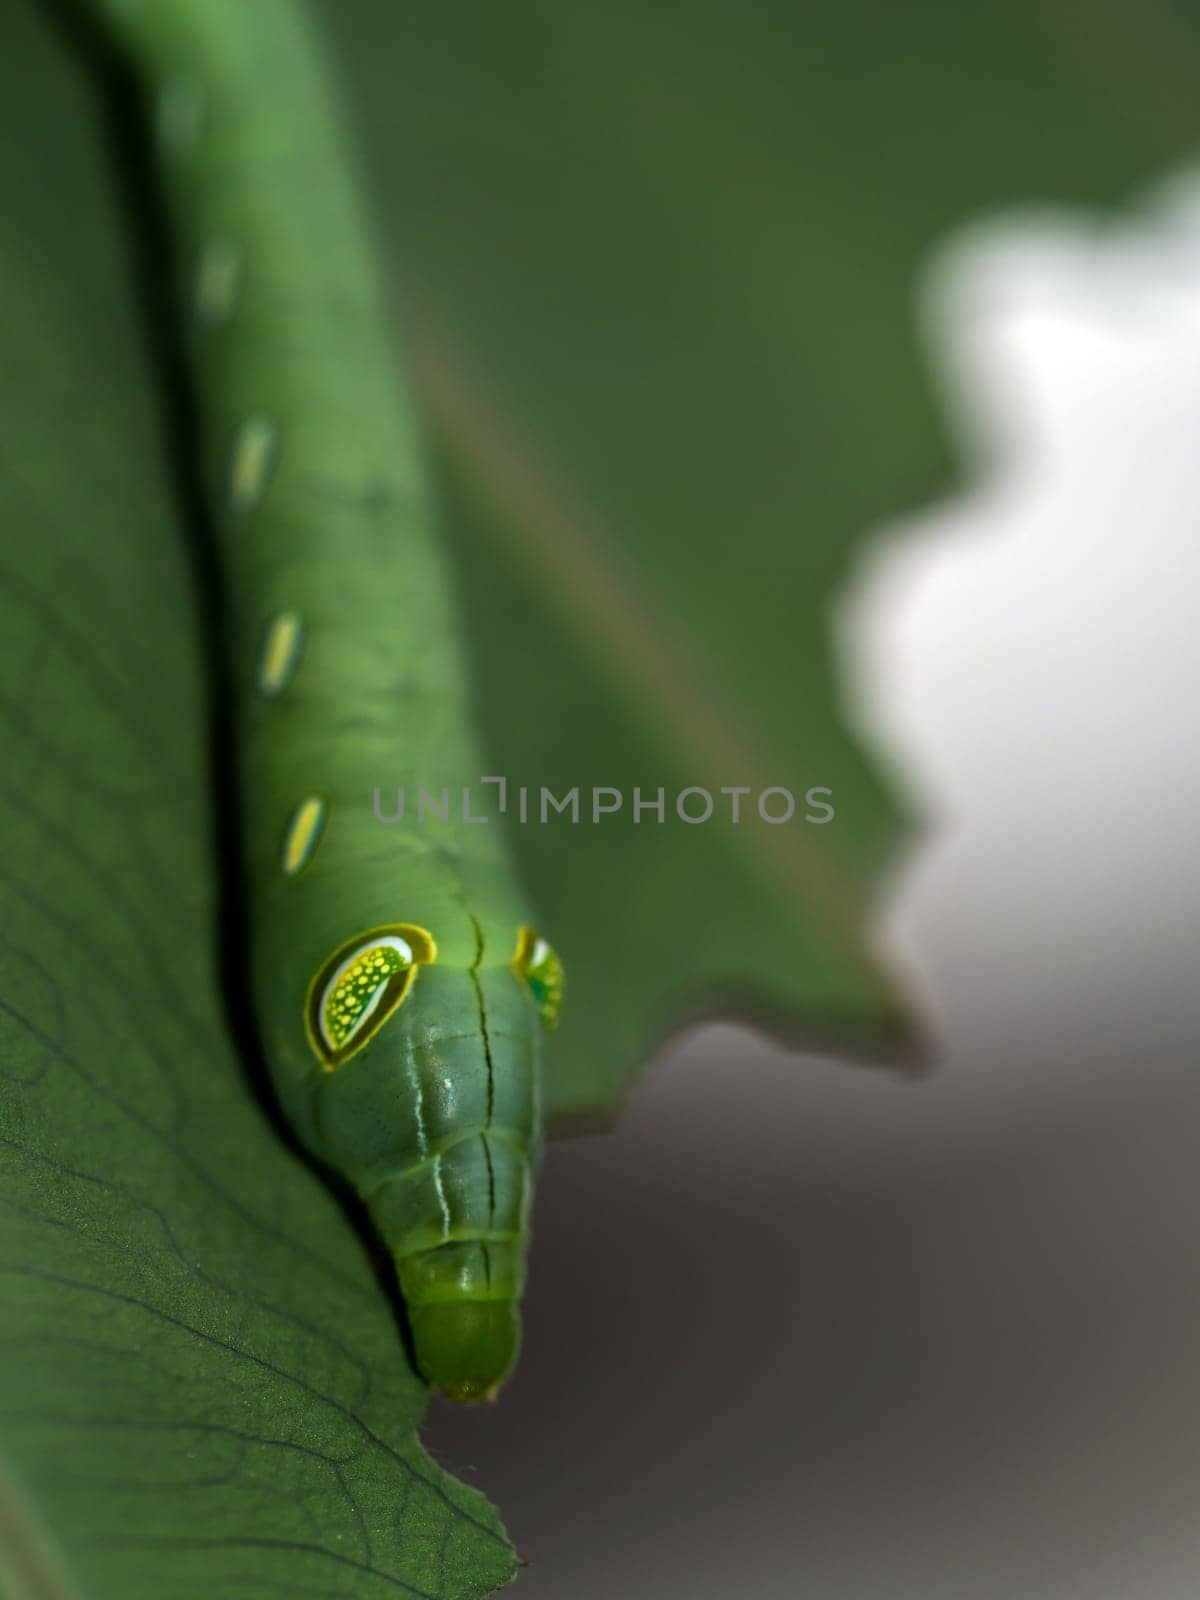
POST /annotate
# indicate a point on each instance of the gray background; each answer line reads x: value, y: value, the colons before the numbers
x: 799, y: 1328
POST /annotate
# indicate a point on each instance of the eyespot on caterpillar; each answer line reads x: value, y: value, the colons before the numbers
x: 537, y: 963
x: 360, y: 986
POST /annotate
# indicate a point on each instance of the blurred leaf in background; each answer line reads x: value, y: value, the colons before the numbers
x: 658, y: 267
x: 660, y: 263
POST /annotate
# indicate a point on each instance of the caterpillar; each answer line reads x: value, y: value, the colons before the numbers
x: 400, y: 987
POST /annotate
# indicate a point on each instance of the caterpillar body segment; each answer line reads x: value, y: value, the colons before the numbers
x: 397, y: 991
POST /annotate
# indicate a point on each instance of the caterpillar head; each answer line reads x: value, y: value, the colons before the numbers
x: 431, y: 1104
x: 368, y: 977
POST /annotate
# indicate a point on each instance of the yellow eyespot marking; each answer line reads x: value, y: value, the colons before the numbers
x: 280, y: 655
x: 218, y: 279
x: 303, y: 833
x: 360, y: 986
x: 254, y: 453
x: 358, y: 989
x: 537, y: 963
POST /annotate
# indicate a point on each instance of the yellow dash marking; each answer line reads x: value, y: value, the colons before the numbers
x: 303, y: 834
x: 254, y: 452
x: 280, y: 653
x: 218, y: 279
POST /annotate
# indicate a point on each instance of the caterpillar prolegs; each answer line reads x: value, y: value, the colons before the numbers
x: 400, y: 990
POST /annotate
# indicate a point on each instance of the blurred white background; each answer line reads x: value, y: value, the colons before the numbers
x: 1030, y: 656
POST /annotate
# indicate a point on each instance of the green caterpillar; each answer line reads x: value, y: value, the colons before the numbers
x: 400, y: 989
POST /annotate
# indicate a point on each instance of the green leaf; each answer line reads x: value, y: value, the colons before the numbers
x: 203, y: 1390
x: 662, y: 264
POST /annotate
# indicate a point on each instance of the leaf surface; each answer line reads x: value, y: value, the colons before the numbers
x: 203, y: 1390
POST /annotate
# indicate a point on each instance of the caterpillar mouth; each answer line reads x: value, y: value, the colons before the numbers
x: 466, y: 1347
